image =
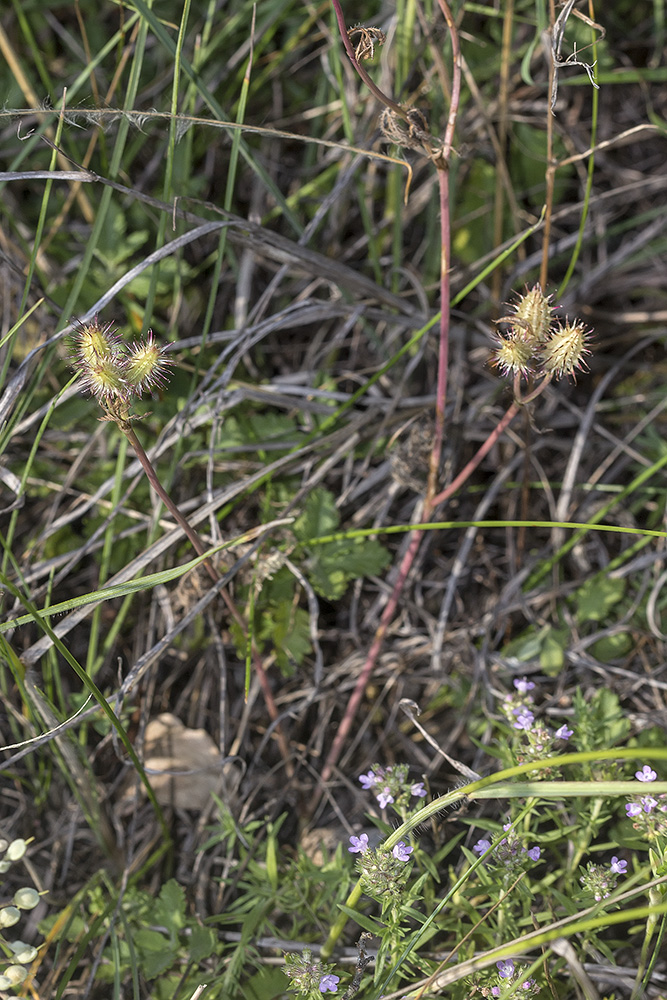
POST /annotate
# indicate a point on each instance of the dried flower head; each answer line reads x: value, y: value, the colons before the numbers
x: 534, y: 308
x: 514, y: 355
x: 368, y: 39
x: 565, y: 350
x: 533, y: 346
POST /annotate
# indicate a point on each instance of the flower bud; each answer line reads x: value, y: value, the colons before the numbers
x: 26, y: 898
x: 16, y: 849
x: 23, y: 952
x: 9, y: 916
x: 15, y: 974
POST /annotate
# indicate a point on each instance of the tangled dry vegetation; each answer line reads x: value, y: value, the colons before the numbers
x: 296, y: 295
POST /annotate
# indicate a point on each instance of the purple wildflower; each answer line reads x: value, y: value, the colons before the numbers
x: 646, y: 774
x: 418, y: 790
x: 329, y: 982
x: 524, y: 719
x: 618, y: 867
x: 401, y: 852
x: 367, y: 780
x: 359, y: 844
x: 482, y: 846
x: 523, y: 685
x: 385, y: 797
x: 563, y: 733
x: 633, y: 809
x: 534, y: 853
x: 505, y: 968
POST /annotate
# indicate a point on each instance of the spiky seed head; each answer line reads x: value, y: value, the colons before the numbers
x: 513, y: 356
x: 147, y: 366
x: 93, y: 342
x: 564, y: 351
x: 104, y: 379
x: 534, y: 308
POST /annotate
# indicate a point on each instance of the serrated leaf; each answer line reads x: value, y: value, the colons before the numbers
x: 319, y: 517
x: 328, y: 583
x: 202, y: 943
x: 269, y: 426
x: 288, y: 630
x: 156, y: 953
x: 336, y: 563
x: 170, y: 907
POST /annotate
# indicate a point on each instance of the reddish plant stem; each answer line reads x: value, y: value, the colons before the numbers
x: 468, y: 469
x: 440, y: 160
x: 382, y: 98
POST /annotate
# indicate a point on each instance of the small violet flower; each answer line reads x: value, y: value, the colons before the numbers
x: 523, y: 685
x: 618, y: 867
x: 524, y: 719
x: 367, y: 780
x: 330, y: 983
x: 633, y: 809
x: 482, y: 846
x: 418, y: 790
x: 534, y: 853
x: 505, y: 968
x: 646, y: 774
x: 401, y: 852
x: 385, y: 797
x: 563, y: 733
x: 359, y: 844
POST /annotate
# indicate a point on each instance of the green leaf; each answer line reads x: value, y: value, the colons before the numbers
x: 527, y: 646
x: 365, y: 922
x: 595, y: 599
x: 156, y: 953
x: 319, y: 517
x: 612, y: 647
x: 264, y: 985
x: 202, y: 943
x: 288, y: 630
x: 599, y: 720
x: 117, y: 590
x: 552, y: 654
x: 170, y: 907
x: 334, y: 564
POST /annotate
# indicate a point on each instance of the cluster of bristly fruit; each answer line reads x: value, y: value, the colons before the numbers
x: 537, y: 345
x: 114, y: 372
